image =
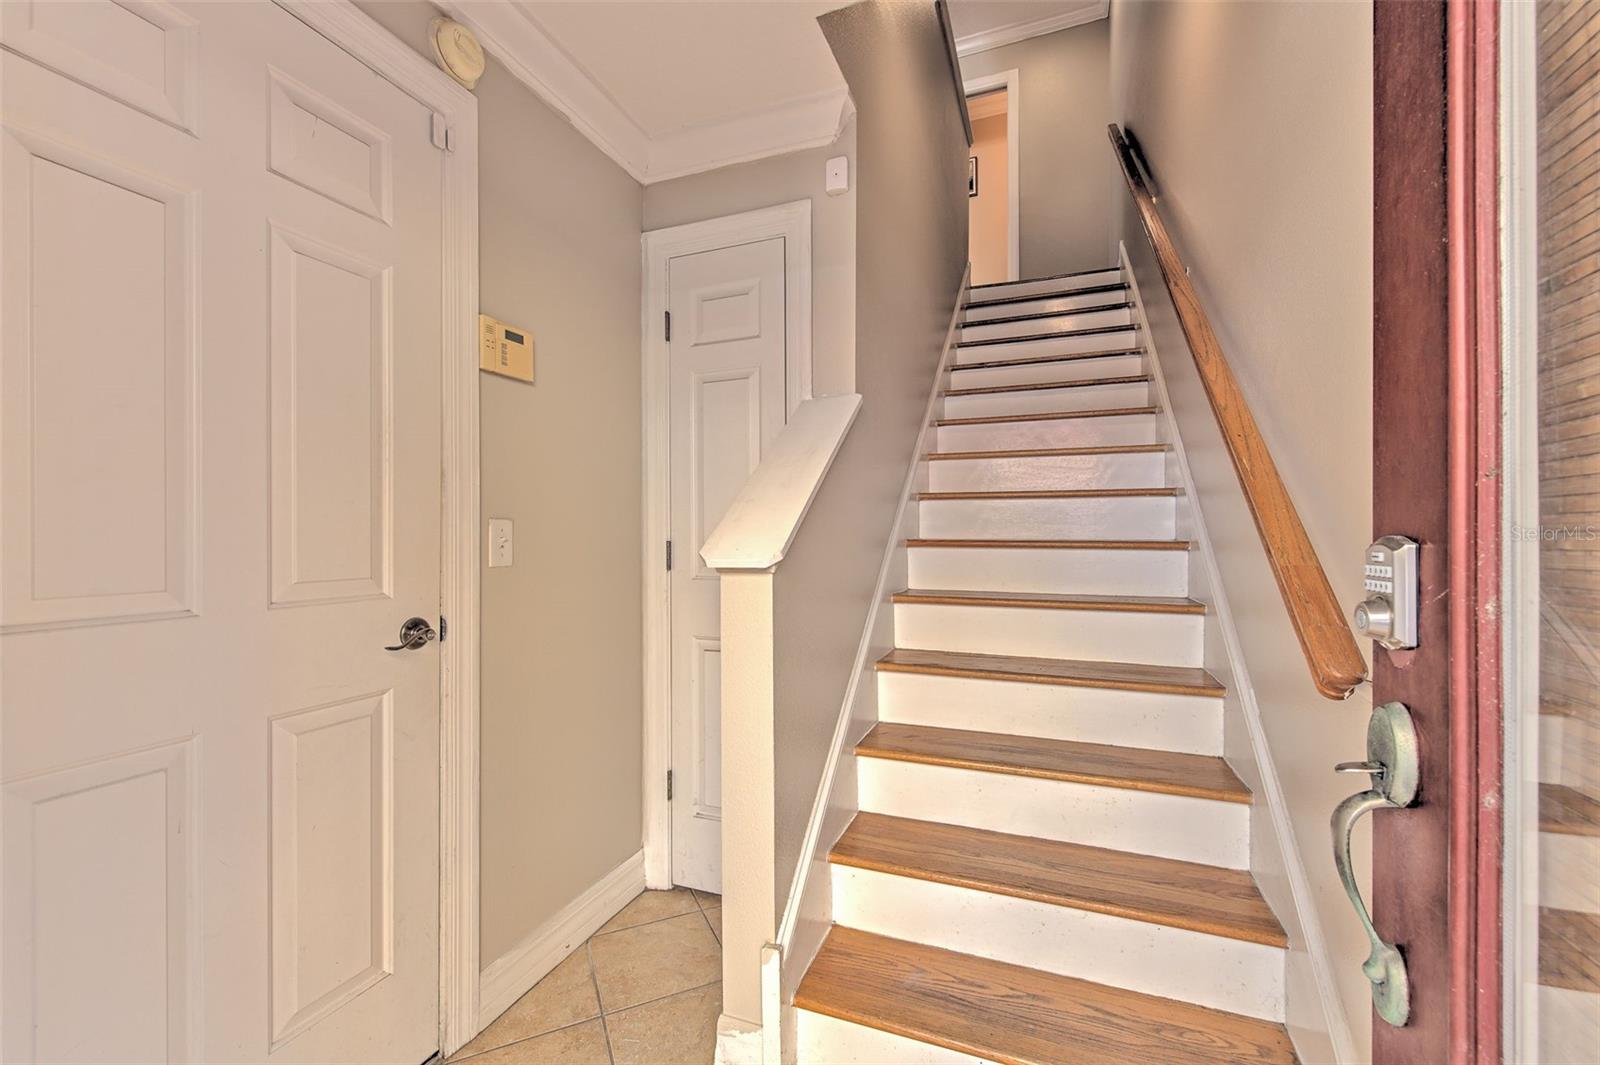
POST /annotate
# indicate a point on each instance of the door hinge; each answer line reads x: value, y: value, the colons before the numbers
x: 444, y: 628
x: 442, y: 135
x: 669, y: 556
x: 669, y: 785
x: 668, y: 316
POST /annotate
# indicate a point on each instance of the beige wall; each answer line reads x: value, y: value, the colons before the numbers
x: 562, y: 679
x: 911, y: 251
x: 1257, y: 121
x: 1066, y: 181
x: 988, y: 234
x: 783, y: 179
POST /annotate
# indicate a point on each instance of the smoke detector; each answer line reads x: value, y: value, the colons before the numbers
x: 457, y: 50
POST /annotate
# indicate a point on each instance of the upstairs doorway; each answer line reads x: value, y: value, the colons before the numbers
x: 993, y: 209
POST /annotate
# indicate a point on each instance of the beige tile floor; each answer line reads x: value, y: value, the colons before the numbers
x: 644, y: 990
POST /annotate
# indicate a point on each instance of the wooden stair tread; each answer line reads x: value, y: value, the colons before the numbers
x: 1567, y: 811
x: 1019, y: 1016
x: 1033, y: 360
x: 1058, y: 334
x: 1086, y: 290
x: 1120, y: 305
x: 1126, y: 676
x: 1049, y: 277
x: 1135, y: 604
x: 1133, y: 768
x: 1048, y: 386
x: 1049, y: 416
x: 1140, y: 887
x: 1068, y: 545
x: 1569, y: 950
x: 1055, y: 493
x: 1048, y: 452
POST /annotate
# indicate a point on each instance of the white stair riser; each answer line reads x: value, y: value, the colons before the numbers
x: 1137, y: 469
x: 1031, y: 373
x: 1090, y: 518
x: 1048, y: 400
x: 1086, y: 635
x: 1055, y: 432
x: 1226, y: 974
x: 1088, y: 571
x: 1045, y: 285
x: 824, y: 1040
x: 1569, y: 1025
x: 1043, y: 305
x: 1209, y: 831
x: 1055, y: 323
x: 1188, y: 724
x: 1027, y: 349
x: 1567, y: 866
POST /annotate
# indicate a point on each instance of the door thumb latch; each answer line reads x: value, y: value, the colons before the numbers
x: 1393, y: 765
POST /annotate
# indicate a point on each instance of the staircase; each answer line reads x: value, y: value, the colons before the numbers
x: 1050, y: 862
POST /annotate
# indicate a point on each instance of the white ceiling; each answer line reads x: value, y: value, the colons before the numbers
x: 671, y: 64
x: 674, y: 87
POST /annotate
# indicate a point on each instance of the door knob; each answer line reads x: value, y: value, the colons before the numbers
x: 415, y: 633
x: 1392, y: 763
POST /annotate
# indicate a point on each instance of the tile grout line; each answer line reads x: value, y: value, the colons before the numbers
x: 600, y: 1003
x: 594, y: 981
x: 641, y: 924
x: 662, y: 998
x: 526, y: 1039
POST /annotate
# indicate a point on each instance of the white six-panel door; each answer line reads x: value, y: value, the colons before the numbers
x: 727, y: 404
x: 221, y: 460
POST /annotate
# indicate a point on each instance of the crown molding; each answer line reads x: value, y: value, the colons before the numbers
x: 534, y: 58
x: 1079, y: 14
x: 537, y: 61
x: 806, y: 122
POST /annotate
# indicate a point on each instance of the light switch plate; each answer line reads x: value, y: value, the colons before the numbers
x: 500, y: 542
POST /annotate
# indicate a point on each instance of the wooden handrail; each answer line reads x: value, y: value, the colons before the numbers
x: 1330, y: 648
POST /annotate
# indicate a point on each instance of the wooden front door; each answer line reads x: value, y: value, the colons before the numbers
x: 1436, y: 448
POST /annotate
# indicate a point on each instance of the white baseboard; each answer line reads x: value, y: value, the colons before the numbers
x: 1308, y: 966
x: 509, y: 976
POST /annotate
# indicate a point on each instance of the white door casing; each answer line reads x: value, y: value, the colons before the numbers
x: 222, y: 454
x: 792, y: 223
x: 727, y: 363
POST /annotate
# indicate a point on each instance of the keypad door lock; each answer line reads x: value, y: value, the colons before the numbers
x: 1389, y: 613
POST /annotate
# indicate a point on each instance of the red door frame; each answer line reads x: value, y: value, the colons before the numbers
x: 1436, y: 459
